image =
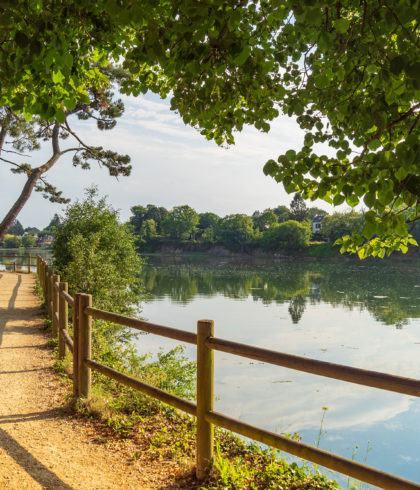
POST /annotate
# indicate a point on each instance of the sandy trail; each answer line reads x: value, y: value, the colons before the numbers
x: 39, y: 448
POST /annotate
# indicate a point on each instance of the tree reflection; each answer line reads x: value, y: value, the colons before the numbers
x: 296, y: 308
x: 389, y: 291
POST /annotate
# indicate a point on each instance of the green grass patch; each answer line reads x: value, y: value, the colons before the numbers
x: 322, y: 250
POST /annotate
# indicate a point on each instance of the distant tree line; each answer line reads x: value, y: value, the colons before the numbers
x: 283, y: 228
x: 18, y: 236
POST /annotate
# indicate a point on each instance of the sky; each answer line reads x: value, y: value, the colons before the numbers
x: 173, y: 164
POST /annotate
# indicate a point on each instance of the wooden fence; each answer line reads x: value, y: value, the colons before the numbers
x: 15, y: 265
x: 58, y: 299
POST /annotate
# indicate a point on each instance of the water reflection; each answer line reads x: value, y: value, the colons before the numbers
x: 389, y: 291
x: 348, y: 313
x: 19, y: 256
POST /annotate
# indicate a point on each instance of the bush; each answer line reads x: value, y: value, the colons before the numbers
x: 12, y: 241
x: 95, y: 254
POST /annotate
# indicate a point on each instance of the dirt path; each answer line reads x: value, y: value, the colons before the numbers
x: 39, y: 448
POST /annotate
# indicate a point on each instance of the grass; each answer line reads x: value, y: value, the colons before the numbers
x: 322, y: 250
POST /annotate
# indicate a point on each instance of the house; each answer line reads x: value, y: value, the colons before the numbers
x: 316, y: 223
x: 45, y: 241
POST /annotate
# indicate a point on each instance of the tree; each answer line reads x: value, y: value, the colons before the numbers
x: 12, y: 241
x: 312, y: 212
x: 181, y: 222
x: 56, y: 221
x: 16, y: 228
x: 282, y: 213
x: 95, y: 254
x: 298, y: 209
x: 347, y: 71
x: 98, y: 105
x: 141, y: 214
x: 32, y: 229
x: 291, y: 236
x: 28, y: 241
x: 208, y: 220
x: 336, y: 225
x: 236, y: 231
x: 265, y: 220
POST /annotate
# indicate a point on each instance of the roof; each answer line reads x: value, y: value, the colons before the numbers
x: 318, y: 218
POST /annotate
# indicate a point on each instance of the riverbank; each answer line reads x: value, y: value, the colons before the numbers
x: 316, y: 251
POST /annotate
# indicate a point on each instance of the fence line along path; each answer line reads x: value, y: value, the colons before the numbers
x: 57, y: 300
x: 40, y: 448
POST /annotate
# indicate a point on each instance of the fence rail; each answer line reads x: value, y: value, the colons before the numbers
x: 15, y: 265
x: 58, y: 300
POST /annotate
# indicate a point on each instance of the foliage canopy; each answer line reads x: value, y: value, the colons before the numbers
x: 347, y: 71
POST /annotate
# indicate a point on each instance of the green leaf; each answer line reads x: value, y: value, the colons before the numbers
x: 57, y: 77
x: 243, y: 55
x: 321, y: 81
x: 401, y: 173
x: 270, y: 167
x: 60, y: 115
x: 369, y: 199
x: 290, y: 155
x: 369, y: 229
x: 67, y: 60
x: 341, y: 25
x: 70, y: 104
x: 338, y: 199
x: 352, y: 200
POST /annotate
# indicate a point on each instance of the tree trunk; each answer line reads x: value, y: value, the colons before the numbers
x: 21, y: 201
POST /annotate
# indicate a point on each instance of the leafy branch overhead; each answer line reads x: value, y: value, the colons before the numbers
x: 18, y: 136
x: 348, y: 71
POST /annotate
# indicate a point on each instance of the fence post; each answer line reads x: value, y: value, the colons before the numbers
x: 205, y: 382
x: 44, y: 280
x: 14, y: 266
x: 42, y: 276
x: 76, y: 344
x: 48, y: 286
x: 50, y: 293
x: 85, y: 329
x: 63, y: 314
x: 55, y: 300
x: 29, y: 263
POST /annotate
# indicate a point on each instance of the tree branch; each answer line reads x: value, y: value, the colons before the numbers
x: 20, y: 202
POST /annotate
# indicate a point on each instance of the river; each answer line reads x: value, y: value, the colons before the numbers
x: 359, y: 314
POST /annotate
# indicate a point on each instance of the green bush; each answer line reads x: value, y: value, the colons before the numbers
x: 96, y: 254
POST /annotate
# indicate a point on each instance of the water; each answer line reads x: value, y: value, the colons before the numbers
x: 7, y: 258
x: 365, y: 315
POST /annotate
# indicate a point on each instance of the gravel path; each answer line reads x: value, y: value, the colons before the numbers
x: 39, y: 447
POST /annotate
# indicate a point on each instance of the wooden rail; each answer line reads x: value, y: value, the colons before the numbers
x: 388, y: 382
x: 16, y: 265
x: 57, y: 300
x: 169, y: 332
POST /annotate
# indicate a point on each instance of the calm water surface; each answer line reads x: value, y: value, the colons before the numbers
x: 363, y: 315
x: 7, y: 257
